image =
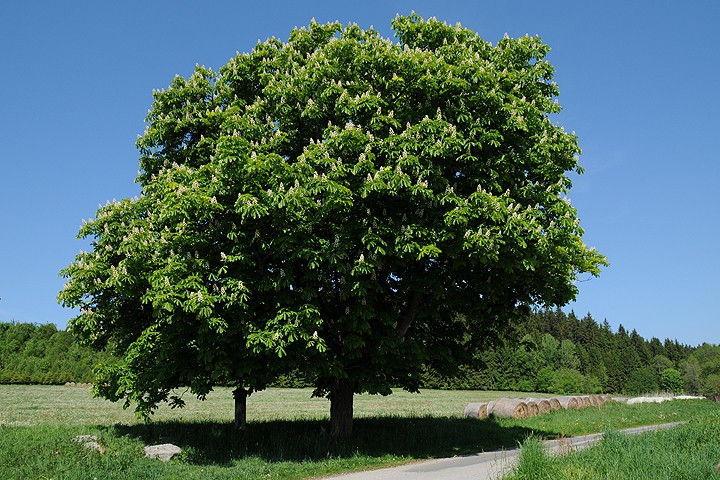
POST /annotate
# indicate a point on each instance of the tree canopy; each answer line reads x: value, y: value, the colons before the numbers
x: 332, y: 202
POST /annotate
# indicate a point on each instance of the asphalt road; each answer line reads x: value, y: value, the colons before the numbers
x: 481, y: 466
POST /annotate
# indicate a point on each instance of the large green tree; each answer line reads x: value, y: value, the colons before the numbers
x: 332, y: 202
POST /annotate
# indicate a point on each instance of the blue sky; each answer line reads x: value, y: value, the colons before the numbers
x: 638, y: 84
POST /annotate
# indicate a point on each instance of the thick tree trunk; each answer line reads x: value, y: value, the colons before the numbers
x: 240, y: 395
x: 341, y: 408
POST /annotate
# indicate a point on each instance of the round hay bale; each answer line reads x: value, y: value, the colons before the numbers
x: 607, y: 398
x: 584, y: 401
x: 476, y: 410
x: 595, y: 400
x: 554, y: 404
x: 543, y: 404
x: 509, y: 408
x: 532, y: 408
x: 569, y: 403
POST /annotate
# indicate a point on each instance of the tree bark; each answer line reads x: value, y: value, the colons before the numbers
x: 240, y: 395
x: 410, y: 315
x: 341, y: 408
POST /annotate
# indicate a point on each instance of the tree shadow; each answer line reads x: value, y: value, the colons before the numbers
x: 206, y: 443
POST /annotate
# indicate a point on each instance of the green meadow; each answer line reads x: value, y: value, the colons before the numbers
x: 288, y: 434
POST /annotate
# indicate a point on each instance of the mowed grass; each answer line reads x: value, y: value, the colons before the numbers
x: 287, y: 437
x: 49, y: 404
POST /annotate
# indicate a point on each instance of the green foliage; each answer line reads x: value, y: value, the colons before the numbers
x: 529, y: 357
x: 661, y: 363
x: 509, y: 365
x: 567, y: 381
x: 467, y: 378
x: 515, y: 366
x: 671, y: 381
x: 545, y: 379
x: 642, y: 381
x: 294, y: 379
x: 592, y: 385
x: 692, y: 375
x: 534, y: 349
x: 41, y: 354
x: 567, y: 355
x: 334, y: 201
x: 557, y: 353
x: 711, y: 386
x: 701, y: 371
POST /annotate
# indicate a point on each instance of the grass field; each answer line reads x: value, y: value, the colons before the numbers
x: 48, y: 404
x: 688, y: 452
x: 287, y: 436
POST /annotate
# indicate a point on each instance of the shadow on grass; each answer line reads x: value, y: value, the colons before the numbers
x: 413, y: 437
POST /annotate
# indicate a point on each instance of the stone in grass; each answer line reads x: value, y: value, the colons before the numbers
x: 163, y: 452
x: 90, y: 442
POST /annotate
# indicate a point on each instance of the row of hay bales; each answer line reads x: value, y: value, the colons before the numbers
x: 529, y: 407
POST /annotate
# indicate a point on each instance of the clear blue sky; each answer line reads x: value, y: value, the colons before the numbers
x: 638, y: 80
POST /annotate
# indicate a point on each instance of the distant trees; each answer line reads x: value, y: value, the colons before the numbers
x: 551, y: 351
x: 642, y: 380
x: 581, y: 356
x: 701, y: 371
x: 42, y: 354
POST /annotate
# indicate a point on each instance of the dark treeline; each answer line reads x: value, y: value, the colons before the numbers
x: 42, y: 354
x: 547, y: 351
x: 554, y: 352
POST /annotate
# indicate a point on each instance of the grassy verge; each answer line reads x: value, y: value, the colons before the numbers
x: 690, y: 451
x: 614, y: 416
x: 287, y: 438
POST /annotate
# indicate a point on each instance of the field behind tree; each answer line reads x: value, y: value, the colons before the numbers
x: 74, y: 405
x: 288, y: 435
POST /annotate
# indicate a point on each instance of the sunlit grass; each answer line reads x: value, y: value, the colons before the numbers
x: 40, y: 404
x: 687, y: 452
x: 616, y: 416
x: 288, y: 434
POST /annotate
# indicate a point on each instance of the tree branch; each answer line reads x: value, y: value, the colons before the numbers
x: 410, y: 315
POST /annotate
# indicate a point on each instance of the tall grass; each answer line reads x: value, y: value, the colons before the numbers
x: 687, y: 452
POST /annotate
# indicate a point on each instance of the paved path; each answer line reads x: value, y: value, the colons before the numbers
x: 481, y: 466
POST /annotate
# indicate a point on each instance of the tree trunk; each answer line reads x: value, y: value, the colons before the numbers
x: 341, y: 408
x: 410, y: 315
x: 240, y: 395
